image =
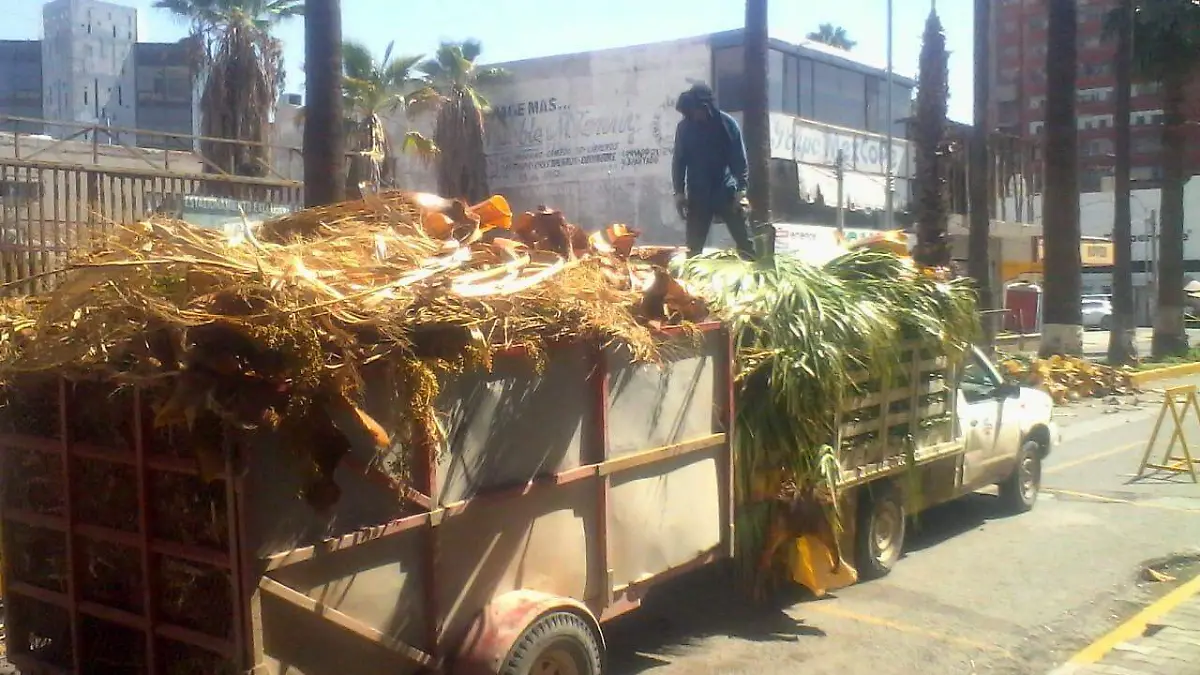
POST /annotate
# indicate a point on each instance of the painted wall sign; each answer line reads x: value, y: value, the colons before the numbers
x: 551, y: 140
x: 814, y: 143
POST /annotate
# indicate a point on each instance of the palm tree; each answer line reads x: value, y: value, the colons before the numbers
x: 324, y: 133
x: 1121, y: 349
x: 834, y: 36
x: 932, y: 211
x: 1166, y: 49
x: 373, y: 90
x: 757, y: 123
x: 1062, y: 331
x: 454, y: 90
x: 978, y: 253
x: 242, y: 66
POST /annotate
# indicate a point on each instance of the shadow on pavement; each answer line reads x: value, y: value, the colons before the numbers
x: 681, y: 612
x: 952, y: 519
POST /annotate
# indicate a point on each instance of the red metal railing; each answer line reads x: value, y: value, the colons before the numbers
x: 132, y: 624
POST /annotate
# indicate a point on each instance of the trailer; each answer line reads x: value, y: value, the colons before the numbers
x: 559, y: 498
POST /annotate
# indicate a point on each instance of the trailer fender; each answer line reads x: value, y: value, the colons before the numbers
x: 500, y: 624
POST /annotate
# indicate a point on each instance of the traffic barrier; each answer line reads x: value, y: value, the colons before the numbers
x: 1173, y: 398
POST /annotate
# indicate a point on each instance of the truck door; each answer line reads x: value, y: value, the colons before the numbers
x: 981, y: 418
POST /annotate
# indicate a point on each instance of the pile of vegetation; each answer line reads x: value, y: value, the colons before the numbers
x: 803, y: 332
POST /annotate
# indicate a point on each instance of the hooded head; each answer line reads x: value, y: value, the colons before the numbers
x: 697, y: 103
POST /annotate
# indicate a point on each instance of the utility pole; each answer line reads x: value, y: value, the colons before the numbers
x: 890, y: 119
x: 841, y: 193
x: 757, y: 126
x: 980, y: 212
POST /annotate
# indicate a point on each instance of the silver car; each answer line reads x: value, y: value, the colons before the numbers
x: 1097, y: 313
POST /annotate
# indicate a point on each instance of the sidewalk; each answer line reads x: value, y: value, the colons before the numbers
x: 1163, y: 645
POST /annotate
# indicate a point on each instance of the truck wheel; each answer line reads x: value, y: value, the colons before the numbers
x: 1020, y: 491
x: 559, y: 643
x: 879, y: 531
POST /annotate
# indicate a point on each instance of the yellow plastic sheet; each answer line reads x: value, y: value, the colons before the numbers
x: 810, y: 562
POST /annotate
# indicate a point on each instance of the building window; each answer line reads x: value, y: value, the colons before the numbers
x: 729, y: 78
x: 842, y: 96
x: 775, y: 80
x: 791, y: 85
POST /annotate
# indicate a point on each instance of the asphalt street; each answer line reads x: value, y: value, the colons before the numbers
x: 975, y: 593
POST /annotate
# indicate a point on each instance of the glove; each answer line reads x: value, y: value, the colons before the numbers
x: 681, y: 205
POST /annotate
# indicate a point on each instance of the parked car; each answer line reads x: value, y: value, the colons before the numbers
x: 1097, y: 314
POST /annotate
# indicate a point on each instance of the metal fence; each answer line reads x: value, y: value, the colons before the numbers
x: 60, y: 202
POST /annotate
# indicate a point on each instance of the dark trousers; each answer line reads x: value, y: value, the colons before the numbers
x: 699, y: 222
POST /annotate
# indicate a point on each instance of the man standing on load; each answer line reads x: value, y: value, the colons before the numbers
x: 710, y: 171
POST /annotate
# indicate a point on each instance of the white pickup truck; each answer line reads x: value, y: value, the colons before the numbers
x: 965, y: 427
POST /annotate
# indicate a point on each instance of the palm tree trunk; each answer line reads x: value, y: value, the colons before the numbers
x: 1062, y: 331
x: 1169, y: 335
x: 1121, y: 349
x: 324, y: 130
x: 932, y: 207
x: 757, y: 122
x: 978, y: 258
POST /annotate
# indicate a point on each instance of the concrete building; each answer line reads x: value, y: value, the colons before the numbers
x: 592, y: 133
x: 165, y: 95
x: 1018, y: 97
x: 21, y: 83
x: 88, y: 70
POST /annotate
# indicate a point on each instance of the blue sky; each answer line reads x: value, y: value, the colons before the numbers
x: 531, y: 28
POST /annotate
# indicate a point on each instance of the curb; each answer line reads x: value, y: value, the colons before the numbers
x: 1169, y: 372
x: 1134, y: 627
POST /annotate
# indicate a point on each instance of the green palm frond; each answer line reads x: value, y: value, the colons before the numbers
x: 802, y: 331
x: 357, y: 61
x: 420, y: 145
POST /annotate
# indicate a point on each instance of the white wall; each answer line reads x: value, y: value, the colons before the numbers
x: 592, y: 134
x: 1096, y: 217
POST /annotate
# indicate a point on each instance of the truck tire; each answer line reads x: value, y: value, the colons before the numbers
x: 559, y: 643
x: 879, y: 530
x: 1019, y: 492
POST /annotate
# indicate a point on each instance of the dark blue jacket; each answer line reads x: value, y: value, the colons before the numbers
x: 710, y: 160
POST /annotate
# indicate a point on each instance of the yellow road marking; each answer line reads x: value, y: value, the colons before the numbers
x: 1137, y: 625
x: 906, y: 628
x: 1093, y: 457
x: 1118, y: 500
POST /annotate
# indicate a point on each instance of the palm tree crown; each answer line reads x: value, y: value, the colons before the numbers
x: 454, y: 90
x: 834, y: 36
x: 372, y: 90
x: 242, y: 67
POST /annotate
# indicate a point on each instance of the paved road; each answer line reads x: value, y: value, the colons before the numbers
x: 976, y: 592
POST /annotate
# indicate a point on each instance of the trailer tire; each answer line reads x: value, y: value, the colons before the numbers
x: 1019, y: 492
x: 879, y: 530
x: 558, y: 643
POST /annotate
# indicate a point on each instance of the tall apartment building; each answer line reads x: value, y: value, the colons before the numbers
x: 88, y: 71
x: 1018, y: 96
x: 21, y: 83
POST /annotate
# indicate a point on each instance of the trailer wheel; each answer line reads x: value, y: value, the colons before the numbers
x: 879, y: 530
x: 1019, y: 492
x: 559, y: 643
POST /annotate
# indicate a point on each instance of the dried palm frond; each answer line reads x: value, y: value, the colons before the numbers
x: 269, y: 329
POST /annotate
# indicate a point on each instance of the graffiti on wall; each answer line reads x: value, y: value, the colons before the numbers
x: 547, y: 140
